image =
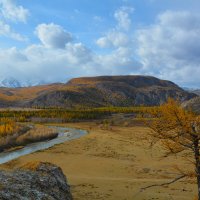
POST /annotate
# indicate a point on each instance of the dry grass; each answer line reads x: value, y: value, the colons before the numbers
x: 36, y: 134
x: 31, y: 166
x: 114, y: 164
x: 9, y: 131
x: 34, y: 166
x: 8, y: 127
x: 26, y: 93
x: 24, y: 135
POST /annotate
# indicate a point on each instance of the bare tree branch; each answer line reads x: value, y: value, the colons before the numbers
x: 163, y: 184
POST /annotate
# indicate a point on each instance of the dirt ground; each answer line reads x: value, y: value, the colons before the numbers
x: 114, y: 165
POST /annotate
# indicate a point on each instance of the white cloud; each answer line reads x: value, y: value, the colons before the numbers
x: 113, y: 39
x: 38, y: 63
x: 6, y: 31
x: 120, y: 59
x: 119, y: 62
x: 170, y: 48
x: 78, y: 54
x: 53, y: 35
x: 122, y: 16
x: 57, y: 58
x: 13, y: 12
x: 120, y: 35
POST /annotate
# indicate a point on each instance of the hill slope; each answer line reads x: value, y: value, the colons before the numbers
x: 193, y: 105
x: 196, y: 92
x: 112, y: 91
x: 97, y: 91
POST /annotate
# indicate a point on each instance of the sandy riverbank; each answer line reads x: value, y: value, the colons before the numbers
x: 114, y: 165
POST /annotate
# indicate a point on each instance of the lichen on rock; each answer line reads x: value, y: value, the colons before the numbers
x: 34, y: 181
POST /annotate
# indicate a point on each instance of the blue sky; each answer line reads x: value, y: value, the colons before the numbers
x: 53, y: 41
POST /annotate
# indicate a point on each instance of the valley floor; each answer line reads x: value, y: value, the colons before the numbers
x: 114, y: 165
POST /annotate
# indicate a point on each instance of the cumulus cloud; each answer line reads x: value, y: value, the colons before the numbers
x: 57, y: 58
x: 113, y: 39
x: 13, y: 12
x: 53, y: 35
x: 170, y: 48
x: 37, y: 62
x: 121, y: 58
x: 120, y: 61
x: 122, y: 15
x: 119, y: 36
x: 6, y: 31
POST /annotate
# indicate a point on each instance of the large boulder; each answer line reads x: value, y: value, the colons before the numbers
x: 34, y: 181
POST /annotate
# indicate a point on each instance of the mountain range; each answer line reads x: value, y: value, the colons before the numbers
x: 11, y: 82
x: 95, y: 92
x: 192, y: 90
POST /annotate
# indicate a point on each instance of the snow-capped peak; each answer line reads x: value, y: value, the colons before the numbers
x: 14, y: 83
x: 10, y: 82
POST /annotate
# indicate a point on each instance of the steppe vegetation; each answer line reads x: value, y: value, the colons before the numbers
x: 178, y: 131
x: 18, y: 127
x: 63, y: 115
x: 13, y: 134
x: 113, y: 128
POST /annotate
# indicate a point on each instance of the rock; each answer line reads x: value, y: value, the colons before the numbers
x: 34, y: 181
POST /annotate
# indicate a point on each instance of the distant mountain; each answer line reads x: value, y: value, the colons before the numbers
x: 193, y: 90
x: 193, y: 105
x: 10, y: 82
x: 196, y: 92
x: 96, y: 92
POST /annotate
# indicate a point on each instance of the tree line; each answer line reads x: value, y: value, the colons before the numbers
x: 69, y: 115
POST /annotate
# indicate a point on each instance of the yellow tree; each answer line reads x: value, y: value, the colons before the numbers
x: 178, y: 131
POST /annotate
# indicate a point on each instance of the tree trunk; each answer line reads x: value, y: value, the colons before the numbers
x: 197, y: 162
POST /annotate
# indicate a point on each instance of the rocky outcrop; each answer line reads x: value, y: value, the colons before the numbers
x: 38, y: 181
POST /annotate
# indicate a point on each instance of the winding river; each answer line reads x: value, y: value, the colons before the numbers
x: 64, y: 135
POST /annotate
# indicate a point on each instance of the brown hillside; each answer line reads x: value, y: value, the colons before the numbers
x: 193, y: 105
x: 96, y: 92
x: 26, y: 93
x: 112, y: 91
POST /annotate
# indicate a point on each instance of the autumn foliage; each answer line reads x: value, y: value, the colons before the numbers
x: 65, y: 115
x: 8, y: 127
x: 178, y: 130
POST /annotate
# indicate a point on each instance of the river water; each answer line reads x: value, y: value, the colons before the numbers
x: 64, y: 135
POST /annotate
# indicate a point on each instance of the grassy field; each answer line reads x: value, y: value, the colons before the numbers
x: 114, y: 162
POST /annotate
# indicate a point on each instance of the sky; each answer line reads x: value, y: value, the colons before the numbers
x: 52, y: 41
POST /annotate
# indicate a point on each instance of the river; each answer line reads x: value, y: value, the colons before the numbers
x: 64, y: 135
